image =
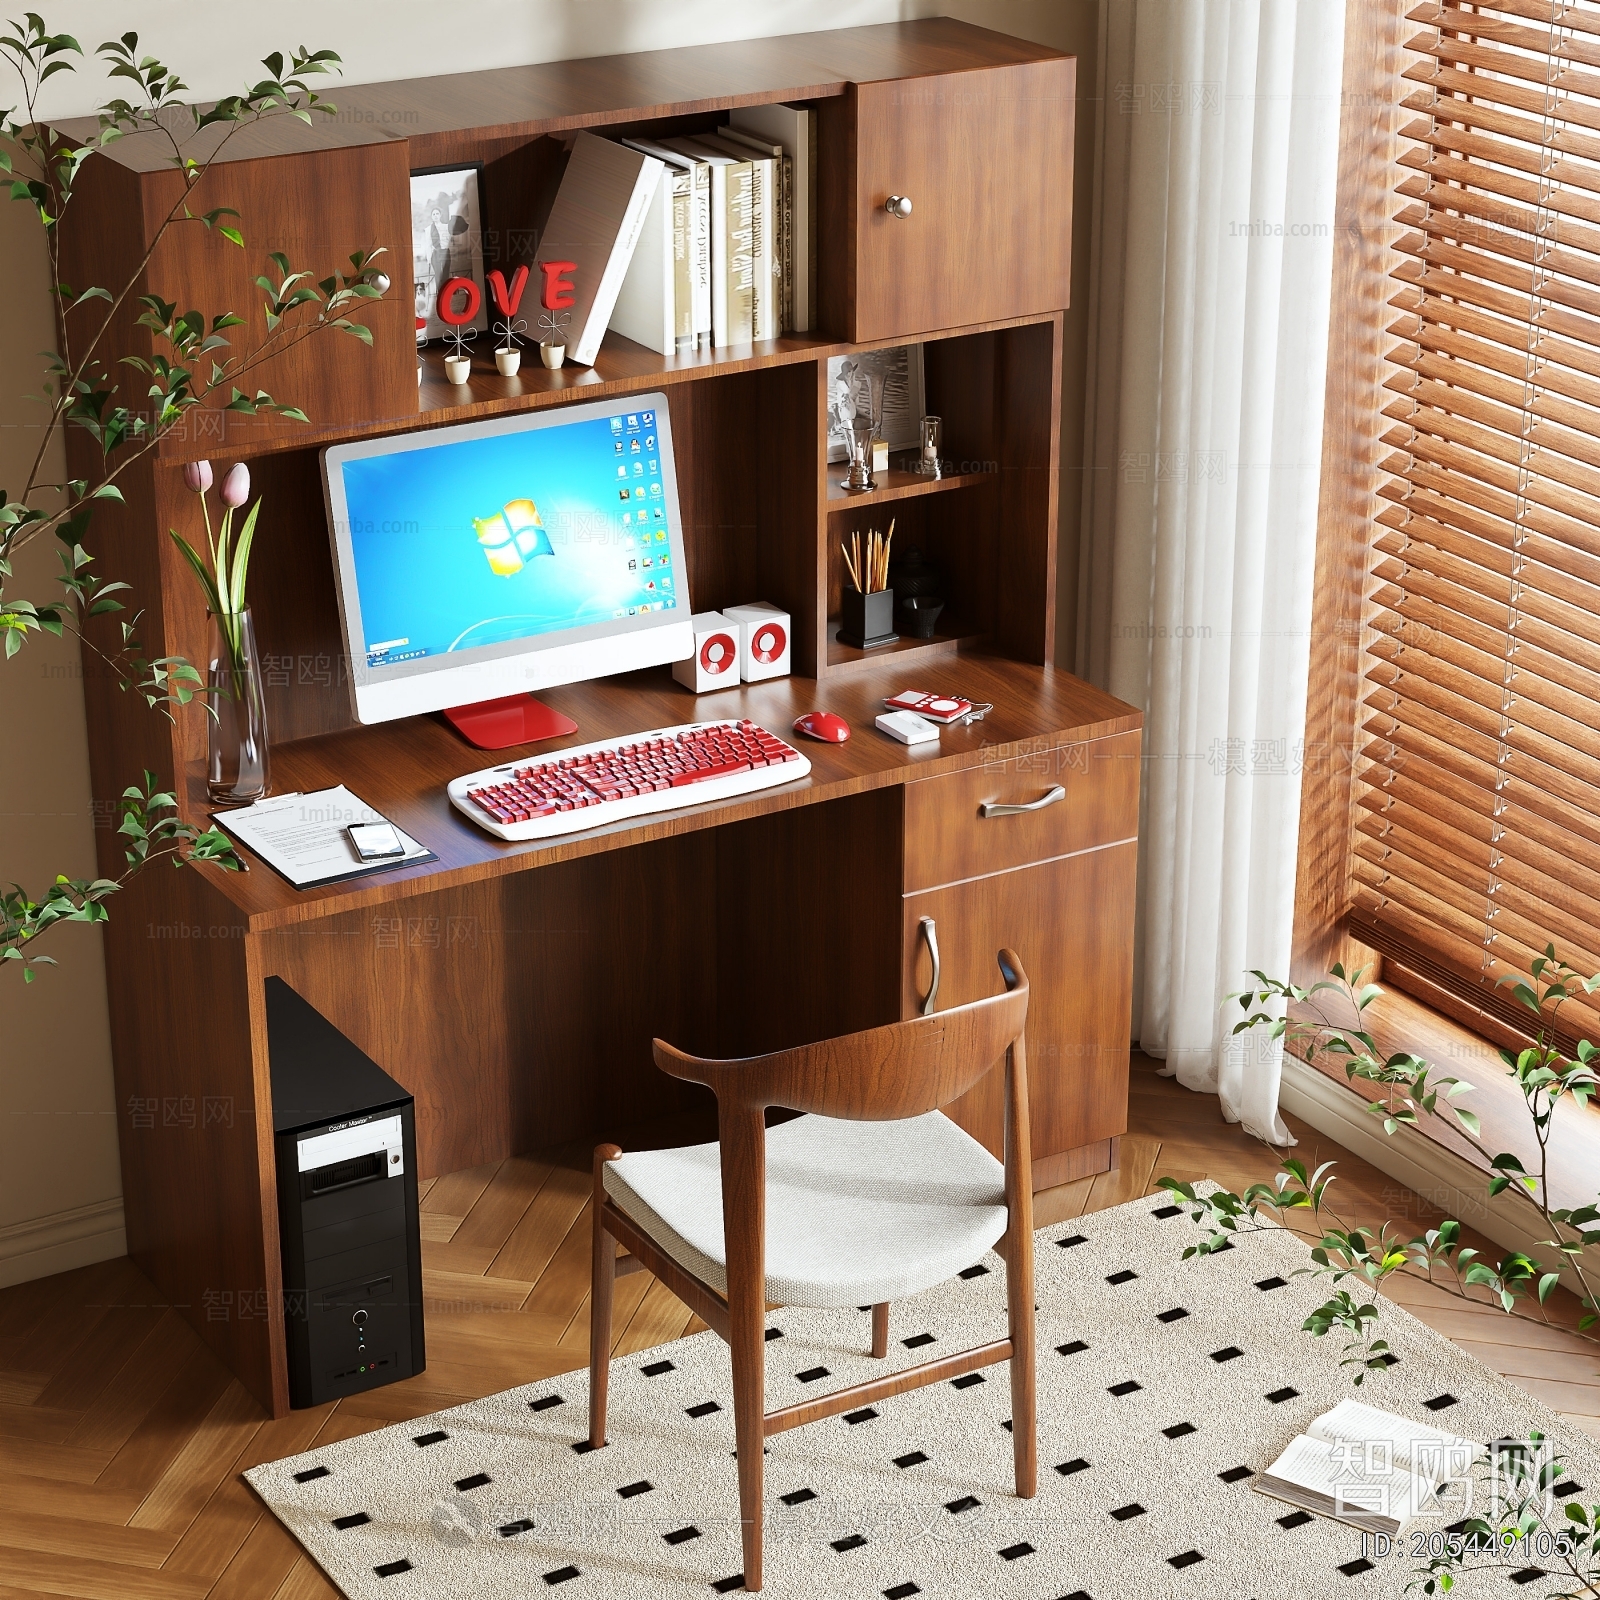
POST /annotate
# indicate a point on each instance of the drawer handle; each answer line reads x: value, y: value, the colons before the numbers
x: 993, y: 808
x: 898, y: 205
x: 931, y: 934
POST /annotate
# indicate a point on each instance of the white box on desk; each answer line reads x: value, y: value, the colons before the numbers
x: 763, y: 634
x: 715, y: 662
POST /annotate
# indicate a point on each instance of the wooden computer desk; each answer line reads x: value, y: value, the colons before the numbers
x: 514, y: 989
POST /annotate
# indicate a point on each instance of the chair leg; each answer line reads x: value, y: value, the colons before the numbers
x: 603, y: 1277
x: 748, y: 1348
x: 1020, y: 1316
x: 880, y: 1330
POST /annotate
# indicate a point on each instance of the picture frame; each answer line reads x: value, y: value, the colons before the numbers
x: 447, y: 241
x: 896, y: 374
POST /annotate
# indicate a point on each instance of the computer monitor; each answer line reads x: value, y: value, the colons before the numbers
x: 475, y: 563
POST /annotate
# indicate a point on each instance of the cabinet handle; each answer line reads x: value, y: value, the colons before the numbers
x: 931, y: 934
x: 898, y: 205
x: 993, y: 808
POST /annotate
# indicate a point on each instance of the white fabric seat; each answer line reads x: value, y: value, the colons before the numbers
x: 858, y: 1213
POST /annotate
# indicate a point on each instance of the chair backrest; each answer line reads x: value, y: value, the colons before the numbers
x: 883, y: 1074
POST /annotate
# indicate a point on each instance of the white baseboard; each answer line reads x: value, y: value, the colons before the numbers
x: 62, y: 1241
x: 1440, y: 1176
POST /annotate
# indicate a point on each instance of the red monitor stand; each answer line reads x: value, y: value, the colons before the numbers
x: 516, y: 719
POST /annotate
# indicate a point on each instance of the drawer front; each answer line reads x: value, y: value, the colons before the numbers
x: 985, y: 158
x: 949, y: 839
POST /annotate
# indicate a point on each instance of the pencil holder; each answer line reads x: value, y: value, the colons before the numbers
x: 866, y: 620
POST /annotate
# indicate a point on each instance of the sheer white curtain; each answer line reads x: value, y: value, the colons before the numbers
x: 1214, y: 219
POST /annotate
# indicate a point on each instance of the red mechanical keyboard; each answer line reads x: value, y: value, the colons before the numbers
x: 593, y: 784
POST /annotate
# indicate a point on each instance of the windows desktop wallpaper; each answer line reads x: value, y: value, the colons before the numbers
x: 490, y: 540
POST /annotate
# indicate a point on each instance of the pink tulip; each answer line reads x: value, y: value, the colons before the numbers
x: 236, y: 486
x: 197, y: 475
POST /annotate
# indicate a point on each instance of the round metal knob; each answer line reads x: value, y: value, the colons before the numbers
x: 358, y: 1318
x: 898, y: 205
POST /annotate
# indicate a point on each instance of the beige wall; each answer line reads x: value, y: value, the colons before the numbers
x: 59, y: 1179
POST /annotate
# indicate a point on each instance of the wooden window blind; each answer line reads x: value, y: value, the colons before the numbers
x: 1477, y: 832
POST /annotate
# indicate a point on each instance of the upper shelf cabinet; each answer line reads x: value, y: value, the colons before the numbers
x: 984, y: 158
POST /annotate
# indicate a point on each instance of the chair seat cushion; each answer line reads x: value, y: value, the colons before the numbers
x: 857, y: 1212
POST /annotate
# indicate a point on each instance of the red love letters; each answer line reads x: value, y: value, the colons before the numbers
x: 507, y: 300
x: 558, y: 289
x: 447, y: 297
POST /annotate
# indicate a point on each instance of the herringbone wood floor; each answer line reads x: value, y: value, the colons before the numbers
x: 122, y: 1438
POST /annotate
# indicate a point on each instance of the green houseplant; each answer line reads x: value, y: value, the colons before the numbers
x: 1358, y: 1259
x: 126, y: 404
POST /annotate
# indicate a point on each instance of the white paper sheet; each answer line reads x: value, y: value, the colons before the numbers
x: 303, y: 836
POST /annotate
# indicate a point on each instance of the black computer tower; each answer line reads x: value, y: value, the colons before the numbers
x: 346, y: 1142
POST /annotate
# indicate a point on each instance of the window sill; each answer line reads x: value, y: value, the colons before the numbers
x: 1398, y: 1022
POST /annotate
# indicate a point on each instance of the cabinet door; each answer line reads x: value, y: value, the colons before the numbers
x: 985, y: 158
x: 1071, y: 925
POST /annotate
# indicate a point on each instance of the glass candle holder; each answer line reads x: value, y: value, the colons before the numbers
x: 859, y: 444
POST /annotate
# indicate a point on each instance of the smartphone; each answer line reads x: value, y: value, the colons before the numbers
x: 375, y: 841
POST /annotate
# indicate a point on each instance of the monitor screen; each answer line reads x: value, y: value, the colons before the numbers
x: 509, y: 554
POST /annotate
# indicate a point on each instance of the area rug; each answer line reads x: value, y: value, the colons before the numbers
x: 1164, y: 1386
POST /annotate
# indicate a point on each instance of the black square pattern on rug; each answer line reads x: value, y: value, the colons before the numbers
x: 1278, y: 1396
x: 968, y: 1502
x: 510, y: 1530
x: 902, y: 1591
x: 1528, y: 1575
x: 979, y: 1271
x: 1072, y: 1239
x: 1077, y: 1464
x: 1354, y: 1569
x: 310, y: 1473
x: 1127, y: 1275
x: 1072, y: 1349
x: 1389, y: 1359
x: 1441, y: 1402
x: 967, y: 1379
x: 1078, y: 1594
x: 1127, y: 1387
x: 915, y: 1459
x: 1128, y: 1512
x: 1273, y: 1282
x: 582, y: 1447
x: 1163, y: 1212
x: 1176, y: 1314
x: 544, y: 1402
x: 798, y: 1497
x: 1229, y: 1352
x: 475, y: 1481
x: 1179, y: 1430
x: 438, y: 1436
x: 855, y: 1418
x: 356, y: 1519
x: 1566, y: 1487
x: 728, y: 1585
x: 567, y: 1574
x: 682, y: 1535
x: 1295, y: 1519
x: 392, y: 1569
x: 704, y: 1409
x: 917, y: 1340
x: 1186, y: 1559
x: 629, y: 1490
x: 769, y: 1336
x: 654, y: 1369
x: 1234, y: 1474
x: 811, y: 1374
x: 1015, y: 1552
x: 851, y: 1541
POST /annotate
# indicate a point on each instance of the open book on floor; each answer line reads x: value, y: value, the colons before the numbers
x: 1367, y: 1467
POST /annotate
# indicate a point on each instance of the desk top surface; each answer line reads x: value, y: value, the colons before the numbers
x: 401, y: 768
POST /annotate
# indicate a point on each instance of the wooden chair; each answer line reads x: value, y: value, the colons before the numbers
x: 874, y: 1194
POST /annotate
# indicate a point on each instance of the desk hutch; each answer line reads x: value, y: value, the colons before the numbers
x: 514, y: 988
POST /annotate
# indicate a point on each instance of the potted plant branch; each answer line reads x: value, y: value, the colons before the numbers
x: 194, y: 363
x: 1357, y: 1259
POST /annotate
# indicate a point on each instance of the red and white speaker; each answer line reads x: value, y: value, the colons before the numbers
x: 715, y: 662
x: 763, y: 632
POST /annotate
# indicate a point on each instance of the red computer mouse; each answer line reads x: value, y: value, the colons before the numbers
x: 823, y: 725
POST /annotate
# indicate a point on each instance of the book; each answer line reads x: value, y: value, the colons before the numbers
x: 732, y: 227
x: 697, y: 265
x: 599, y: 209
x: 794, y: 130
x: 653, y: 307
x: 1369, y: 1468
x: 766, y: 161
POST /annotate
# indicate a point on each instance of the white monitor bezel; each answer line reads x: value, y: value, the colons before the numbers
x: 541, y: 661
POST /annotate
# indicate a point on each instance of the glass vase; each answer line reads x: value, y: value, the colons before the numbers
x: 236, y: 751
